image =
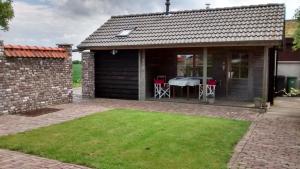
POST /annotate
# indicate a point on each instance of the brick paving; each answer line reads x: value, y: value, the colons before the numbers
x: 10, y: 124
x: 272, y: 141
x: 16, y: 160
x: 228, y: 112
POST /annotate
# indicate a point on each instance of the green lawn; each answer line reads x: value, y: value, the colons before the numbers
x: 132, y: 139
x: 76, y: 75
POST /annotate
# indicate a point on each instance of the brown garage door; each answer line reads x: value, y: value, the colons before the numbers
x: 116, y: 76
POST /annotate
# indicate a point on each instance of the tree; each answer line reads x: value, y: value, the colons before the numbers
x: 297, y: 32
x: 6, y: 14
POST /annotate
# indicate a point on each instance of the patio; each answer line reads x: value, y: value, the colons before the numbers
x: 229, y: 75
x: 218, y: 102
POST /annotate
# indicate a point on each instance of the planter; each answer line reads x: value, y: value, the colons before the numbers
x: 211, y: 100
x: 261, y: 104
x: 258, y: 102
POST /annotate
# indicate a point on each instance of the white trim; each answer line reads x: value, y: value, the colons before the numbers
x: 142, y: 74
x: 289, y: 62
x: 265, y: 73
x: 204, y: 81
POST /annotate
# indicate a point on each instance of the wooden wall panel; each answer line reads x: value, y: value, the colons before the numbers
x: 238, y: 88
x: 258, y: 63
x: 288, y: 54
x: 116, y: 76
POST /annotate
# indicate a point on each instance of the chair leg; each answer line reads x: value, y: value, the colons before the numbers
x: 200, y: 91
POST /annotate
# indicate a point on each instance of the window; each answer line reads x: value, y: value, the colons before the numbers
x: 192, y: 65
x: 239, y: 66
x: 125, y: 32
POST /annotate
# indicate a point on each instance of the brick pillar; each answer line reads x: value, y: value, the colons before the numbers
x: 2, y: 91
x: 88, y: 75
x: 1, y: 48
x: 68, y: 70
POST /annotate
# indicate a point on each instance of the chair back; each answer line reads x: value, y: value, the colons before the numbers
x: 159, y: 81
x: 162, y: 77
x: 211, y: 82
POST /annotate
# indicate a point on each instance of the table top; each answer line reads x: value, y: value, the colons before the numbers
x: 186, y: 81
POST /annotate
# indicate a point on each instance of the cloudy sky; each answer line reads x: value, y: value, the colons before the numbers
x: 47, y: 22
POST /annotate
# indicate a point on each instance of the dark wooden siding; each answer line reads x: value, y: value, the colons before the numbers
x: 159, y: 62
x: 288, y: 54
x: 116, y: 76
x: 238, y: 89
x: 258, y: 68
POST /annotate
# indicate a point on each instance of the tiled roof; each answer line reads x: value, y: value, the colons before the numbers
x: 34, y: 52
x: 234, y: 24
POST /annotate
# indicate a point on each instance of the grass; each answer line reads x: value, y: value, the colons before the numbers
x: 132, y: 139
x: 76, y: 75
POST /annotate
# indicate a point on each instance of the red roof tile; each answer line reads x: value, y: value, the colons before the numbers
x: 34, y: 51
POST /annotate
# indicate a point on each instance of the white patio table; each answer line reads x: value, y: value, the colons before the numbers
x: 185, y: 81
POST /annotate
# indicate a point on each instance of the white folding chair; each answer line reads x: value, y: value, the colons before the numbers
x: 210, y: 90
x: 165, y: 90
x: 161, y: 90
x: 157, y: 88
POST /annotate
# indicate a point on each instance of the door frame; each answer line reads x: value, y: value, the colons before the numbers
x: 250, y: 71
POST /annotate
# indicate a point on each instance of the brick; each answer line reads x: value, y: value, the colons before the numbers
x: 88, y: 75
x: 28, y: 83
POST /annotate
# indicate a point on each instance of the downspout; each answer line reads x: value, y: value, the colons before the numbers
x: 276, y: 66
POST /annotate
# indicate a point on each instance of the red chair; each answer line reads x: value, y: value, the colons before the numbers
x: 161, y: 88
x: 211, y: 82
x: 210, y: 88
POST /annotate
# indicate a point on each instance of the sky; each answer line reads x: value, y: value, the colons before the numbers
x: 49, y: 22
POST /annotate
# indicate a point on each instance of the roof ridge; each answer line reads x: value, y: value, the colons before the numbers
x: 32, y: 47
x: 199, y: 10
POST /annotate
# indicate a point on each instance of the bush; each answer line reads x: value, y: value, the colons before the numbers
x: 76, y: 62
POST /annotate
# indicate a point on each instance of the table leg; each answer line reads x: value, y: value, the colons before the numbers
x: 173, y: 91
x: 188, y: 92
x: 181, y: 91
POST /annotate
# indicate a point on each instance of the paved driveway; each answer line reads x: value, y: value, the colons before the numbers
x: 273, y: 141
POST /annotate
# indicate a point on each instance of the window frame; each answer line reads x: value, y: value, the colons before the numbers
x: 127, y: 31
x: 194, y: 64
x: 240, y: 54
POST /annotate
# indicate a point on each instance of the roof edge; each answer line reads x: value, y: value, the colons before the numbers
x: 207, y: 44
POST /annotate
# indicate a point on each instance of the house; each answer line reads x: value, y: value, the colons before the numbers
x: 235, y: 46
x: 289, y: 59
x: 34, y: 77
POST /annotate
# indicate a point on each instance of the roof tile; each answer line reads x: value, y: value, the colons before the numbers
x: 34, y: 51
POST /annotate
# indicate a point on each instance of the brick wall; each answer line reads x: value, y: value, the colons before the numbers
x: 88, y: 75
x: 33, y: 83
x: 1, y: 77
